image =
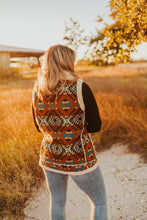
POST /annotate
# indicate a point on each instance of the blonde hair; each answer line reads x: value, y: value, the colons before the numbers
x: 57, y: 60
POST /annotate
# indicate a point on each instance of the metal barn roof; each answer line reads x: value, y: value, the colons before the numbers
x: 21, y: 52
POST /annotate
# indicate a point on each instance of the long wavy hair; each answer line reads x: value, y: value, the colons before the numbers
x: 57, y: 60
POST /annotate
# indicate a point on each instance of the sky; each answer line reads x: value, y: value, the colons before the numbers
x: 39, y: 24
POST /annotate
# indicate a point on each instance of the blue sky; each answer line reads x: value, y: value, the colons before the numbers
x: 38, y: 24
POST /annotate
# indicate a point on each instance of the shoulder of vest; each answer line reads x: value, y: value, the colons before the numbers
x: 79, y: 93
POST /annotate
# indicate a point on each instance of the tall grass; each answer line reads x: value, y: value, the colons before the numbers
x: 122, y: 105
x: 121, y: 123
x: 123, y: 108
x: 19, y: 151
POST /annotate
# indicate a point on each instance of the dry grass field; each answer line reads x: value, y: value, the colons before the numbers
x: 121, y: 96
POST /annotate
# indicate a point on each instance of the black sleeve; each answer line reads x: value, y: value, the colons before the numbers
x: 92, y: 115
x: 37, y: 127
x: 33, y: 112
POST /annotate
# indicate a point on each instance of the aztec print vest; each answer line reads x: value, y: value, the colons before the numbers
x: 67, y: 146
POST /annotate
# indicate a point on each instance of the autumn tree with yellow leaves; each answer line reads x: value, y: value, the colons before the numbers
x: 129, y: 28
x: 117, y: 41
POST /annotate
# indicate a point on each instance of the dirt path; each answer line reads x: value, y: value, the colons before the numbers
x: 125, y: 180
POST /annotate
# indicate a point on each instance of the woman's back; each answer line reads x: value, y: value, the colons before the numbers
x: 66, y: 146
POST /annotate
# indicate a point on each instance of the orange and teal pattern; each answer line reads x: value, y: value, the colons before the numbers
x: 66, y: 146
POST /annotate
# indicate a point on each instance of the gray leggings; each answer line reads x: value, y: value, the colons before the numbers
x: 91, y: 183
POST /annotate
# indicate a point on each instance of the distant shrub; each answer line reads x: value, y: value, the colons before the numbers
x: 5, y: 73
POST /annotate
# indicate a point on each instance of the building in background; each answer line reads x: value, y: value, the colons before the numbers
x: 15, y: 55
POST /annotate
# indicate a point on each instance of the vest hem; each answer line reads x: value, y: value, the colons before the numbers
x: 70, y: 172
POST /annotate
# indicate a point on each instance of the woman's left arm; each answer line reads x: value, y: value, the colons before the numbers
x: 92, y: 115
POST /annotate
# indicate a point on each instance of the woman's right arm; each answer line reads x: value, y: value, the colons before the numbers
x: 33, y: 112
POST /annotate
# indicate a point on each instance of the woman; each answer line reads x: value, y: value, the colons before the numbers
x: 65, y: 111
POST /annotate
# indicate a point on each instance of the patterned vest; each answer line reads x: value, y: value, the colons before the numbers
x: 67, y: 146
